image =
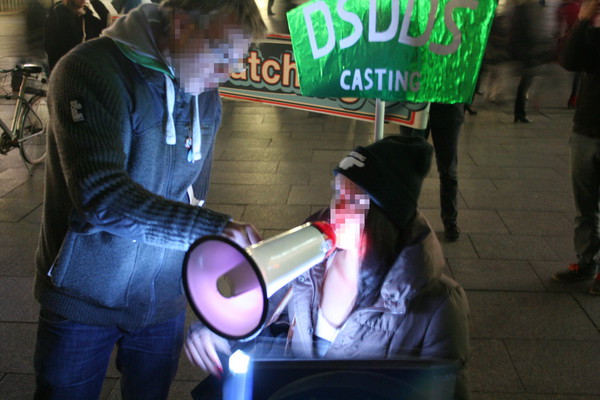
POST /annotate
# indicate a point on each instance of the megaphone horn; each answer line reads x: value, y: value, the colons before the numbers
x: 228, y: 287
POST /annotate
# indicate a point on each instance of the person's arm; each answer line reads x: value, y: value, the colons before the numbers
x: 447, y: 337
x: 589, y: 10
x: 202, y: 345
x: 201, y: 348
x: 582, y: 49
x: 92, y: 157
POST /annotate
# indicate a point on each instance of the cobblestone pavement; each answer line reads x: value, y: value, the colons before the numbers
x: 531, y: 338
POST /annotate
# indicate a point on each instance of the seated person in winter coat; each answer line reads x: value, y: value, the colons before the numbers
x: 381, y: 294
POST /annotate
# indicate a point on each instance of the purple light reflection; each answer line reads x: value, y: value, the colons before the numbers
x: 236, y: 316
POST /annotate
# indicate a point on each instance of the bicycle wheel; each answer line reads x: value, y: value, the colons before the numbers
x: 32, y: 131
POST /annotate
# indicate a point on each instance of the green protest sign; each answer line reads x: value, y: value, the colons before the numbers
x: 393, y: 50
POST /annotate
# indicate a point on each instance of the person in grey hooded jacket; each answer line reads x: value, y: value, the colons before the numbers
x: 382, y: 293
x: 133, y: 119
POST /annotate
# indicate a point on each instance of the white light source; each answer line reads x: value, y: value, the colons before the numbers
x: 238, y: 362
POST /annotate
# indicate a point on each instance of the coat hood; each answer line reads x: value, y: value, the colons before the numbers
x: 137, y: 34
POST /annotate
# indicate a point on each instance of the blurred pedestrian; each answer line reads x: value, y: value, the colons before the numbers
x: 494, y: 58
x: 71, y: 22
x: 528, y: 49
x: 35, y: 15
x: 445, y: 123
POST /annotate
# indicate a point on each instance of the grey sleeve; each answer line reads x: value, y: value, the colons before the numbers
x: 92, y: 158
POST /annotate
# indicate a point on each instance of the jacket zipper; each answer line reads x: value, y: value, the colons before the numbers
x: 162, y: 260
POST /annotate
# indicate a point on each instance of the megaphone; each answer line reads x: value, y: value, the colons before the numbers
x: 228, y: 287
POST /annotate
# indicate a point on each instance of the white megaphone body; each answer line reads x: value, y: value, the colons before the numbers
x: 228, y: 287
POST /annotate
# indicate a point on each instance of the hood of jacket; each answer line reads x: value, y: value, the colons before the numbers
x: 137, y: 35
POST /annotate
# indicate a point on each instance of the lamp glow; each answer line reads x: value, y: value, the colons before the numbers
x: 238, y: 362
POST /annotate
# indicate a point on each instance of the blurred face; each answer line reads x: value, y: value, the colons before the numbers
x: 349, y: 207
x: 204, y: 53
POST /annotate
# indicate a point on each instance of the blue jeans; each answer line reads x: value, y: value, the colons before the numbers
x: 71, y: 358
x: 585, y: 179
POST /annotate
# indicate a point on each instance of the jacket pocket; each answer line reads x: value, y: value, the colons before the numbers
x: 142, y: 124
x: 96, y: 268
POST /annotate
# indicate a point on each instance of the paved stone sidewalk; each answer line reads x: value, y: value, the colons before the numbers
x: 531, y: 338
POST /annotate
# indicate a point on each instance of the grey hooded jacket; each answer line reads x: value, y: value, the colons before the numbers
x: 116, y: 224
x: 420, y: 312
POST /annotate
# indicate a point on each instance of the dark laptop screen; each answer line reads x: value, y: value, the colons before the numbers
x: 387, y: 379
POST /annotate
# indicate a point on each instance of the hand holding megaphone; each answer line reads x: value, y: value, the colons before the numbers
x: 242, y: 233
x: 228, y: 286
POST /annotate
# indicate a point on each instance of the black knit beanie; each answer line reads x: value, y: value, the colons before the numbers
x: 391, y: 171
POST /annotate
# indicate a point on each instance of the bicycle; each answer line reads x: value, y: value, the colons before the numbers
x: 30, y: 117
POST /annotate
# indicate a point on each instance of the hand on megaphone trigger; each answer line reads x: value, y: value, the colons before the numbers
x: 242, y: 233
x: 201, y: 347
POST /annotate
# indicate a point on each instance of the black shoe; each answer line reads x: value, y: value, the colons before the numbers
x: 575, y: 273
x: 451, y: 232
x: 524, y: 120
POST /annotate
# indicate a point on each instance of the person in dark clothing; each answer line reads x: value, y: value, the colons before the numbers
x: 496, y: 54
x: 35, y: 16
x: 71, y: 22
x: 566, y: 18
x: 527, y: 48
x: 582, y: 53
x: 445, y: 123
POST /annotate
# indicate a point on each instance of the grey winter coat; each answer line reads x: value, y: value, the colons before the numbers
x: 420, y: 312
